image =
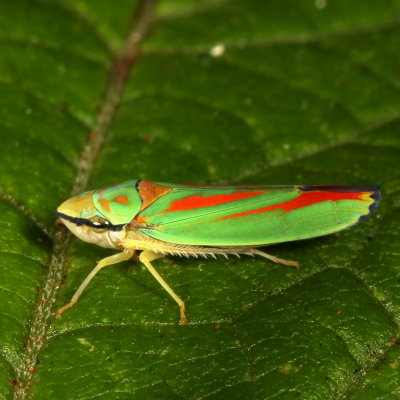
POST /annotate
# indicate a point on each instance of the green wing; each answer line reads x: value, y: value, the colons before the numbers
x: 256, y: 215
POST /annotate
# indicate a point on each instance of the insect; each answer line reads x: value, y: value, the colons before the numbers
x: 158, y: 219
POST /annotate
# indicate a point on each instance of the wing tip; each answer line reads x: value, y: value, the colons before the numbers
x: 374, y: 189
x: 376, y: 196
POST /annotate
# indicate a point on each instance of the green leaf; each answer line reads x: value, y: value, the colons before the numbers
x: 239, y: 92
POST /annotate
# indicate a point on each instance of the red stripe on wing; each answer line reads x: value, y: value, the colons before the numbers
x: 193, y: 202
x: 304, y: 200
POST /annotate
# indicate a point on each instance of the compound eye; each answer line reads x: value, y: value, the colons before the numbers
x: 98, y: 224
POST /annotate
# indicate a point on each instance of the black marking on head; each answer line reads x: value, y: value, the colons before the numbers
x: 92, y: 224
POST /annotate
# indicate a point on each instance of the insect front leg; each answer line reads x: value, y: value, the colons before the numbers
x: 105, y: 262
x: 146, y: 257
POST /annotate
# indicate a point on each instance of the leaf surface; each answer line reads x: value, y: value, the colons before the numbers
x: 211, y: 92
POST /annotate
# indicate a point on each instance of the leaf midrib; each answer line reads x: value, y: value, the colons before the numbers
x: 43, y: 306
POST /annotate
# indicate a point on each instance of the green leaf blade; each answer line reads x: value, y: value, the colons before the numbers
x: 221, y: 93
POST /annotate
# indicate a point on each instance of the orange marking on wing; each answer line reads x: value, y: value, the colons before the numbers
x: 141, y: 220
x: 306, y: 199
x: 193, y: 202
x: 121, y: 199
x: 366, y: 196
x: 150, y: 192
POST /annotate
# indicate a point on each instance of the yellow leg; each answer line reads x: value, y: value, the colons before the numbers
x: 275, y: 259
x: 146, y: 257
x: 105, y: 262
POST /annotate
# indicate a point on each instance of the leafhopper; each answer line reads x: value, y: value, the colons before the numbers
x: 159, y: 219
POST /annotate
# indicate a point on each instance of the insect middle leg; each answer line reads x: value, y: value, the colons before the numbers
x: 146, y: 257
x: 105, y: 262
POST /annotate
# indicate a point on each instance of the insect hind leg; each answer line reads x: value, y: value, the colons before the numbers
x: 276, y: 260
